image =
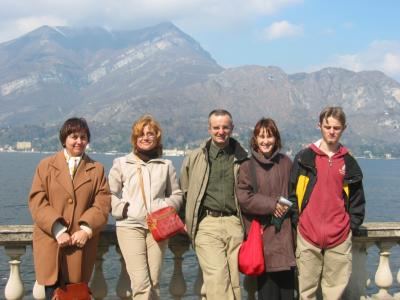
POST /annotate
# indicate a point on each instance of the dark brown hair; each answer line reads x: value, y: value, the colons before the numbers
x: 73, y: 125
x: 270, y: 127
x: 334, y: 112
x: 137, y: 131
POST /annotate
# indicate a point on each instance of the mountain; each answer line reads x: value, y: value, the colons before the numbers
x: 112, y: 77
x: 50, y: 72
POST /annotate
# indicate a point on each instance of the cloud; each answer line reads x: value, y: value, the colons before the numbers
x: 391, y: 64
x: 281, y: 29
x: 382, y: 55
x: 23, y: 25
x: 131, y: 14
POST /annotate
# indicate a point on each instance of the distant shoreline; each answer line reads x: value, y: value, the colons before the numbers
x: 166, y: 153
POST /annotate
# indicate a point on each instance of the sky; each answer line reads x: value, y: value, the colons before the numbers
x: 295, y: 35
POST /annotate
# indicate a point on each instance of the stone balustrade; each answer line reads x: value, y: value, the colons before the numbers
x: 382, y: 238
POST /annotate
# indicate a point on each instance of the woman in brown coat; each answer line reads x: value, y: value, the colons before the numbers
x: 269, y: 170
x: 69, y: 202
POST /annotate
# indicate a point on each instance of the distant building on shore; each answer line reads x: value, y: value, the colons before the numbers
x: 388, y: 156
x: 23, y: 146
x: 173, y: 152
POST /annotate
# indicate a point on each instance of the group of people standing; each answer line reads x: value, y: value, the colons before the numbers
x: 222, y: 188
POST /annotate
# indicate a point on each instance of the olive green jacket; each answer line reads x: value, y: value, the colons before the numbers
x: 194, y: 178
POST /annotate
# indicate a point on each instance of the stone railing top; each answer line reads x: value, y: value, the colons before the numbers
x: 372, y: 231
x: 22, y: 234
x: 378, y: 231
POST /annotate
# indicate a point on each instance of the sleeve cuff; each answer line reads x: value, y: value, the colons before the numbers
x: 58, y: 229
x: 87, y: 229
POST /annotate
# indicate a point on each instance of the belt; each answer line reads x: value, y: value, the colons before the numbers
x: 216, y: 213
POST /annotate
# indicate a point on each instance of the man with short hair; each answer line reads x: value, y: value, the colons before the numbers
x: 329, y: 203
x: 212, y: 214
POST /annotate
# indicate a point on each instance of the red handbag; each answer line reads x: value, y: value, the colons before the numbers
x: 251, y: 252
x: 163, y: 223
x: 72, y: 291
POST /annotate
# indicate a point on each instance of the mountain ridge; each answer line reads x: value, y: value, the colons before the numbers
x: 112, y: 77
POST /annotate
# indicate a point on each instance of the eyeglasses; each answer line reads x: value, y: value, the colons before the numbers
x: 149, y: 136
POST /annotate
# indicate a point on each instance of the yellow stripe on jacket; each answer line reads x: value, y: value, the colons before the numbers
x: 346, y: 189
x: 301, y: 189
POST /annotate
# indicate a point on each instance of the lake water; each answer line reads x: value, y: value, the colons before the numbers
x: 381, y: 184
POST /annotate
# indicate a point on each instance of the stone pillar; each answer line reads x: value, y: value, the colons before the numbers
x: 359, y: 275
x: 38, y: 292
x: 14, y: 289
x: 178, y: 245
x: 98, y: 284
x: 383, y: 275
x: 123, y: 287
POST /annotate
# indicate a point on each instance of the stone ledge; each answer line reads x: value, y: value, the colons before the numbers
x: 368, y: 232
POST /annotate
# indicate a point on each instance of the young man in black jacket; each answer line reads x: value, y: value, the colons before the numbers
x: 329, y: 203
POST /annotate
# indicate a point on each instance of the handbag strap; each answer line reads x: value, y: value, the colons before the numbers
x: 141, y: 184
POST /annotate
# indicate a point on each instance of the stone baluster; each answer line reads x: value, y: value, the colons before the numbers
x: 123, y: 287
x: 38, y: 292
x: 98, y: 284
x: 368, y: 283
x: 250, y: 285
x: 359, y: 275
x: 383, y: 275
x: 14, y: 288
x: 178, y: 245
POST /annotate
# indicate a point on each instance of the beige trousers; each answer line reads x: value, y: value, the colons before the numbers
x: 329, y: 268
x: 217, y: 246
x: 143, y: 257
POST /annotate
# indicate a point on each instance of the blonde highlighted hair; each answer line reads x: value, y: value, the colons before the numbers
x: 138, y: 128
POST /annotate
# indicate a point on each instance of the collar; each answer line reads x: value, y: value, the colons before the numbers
x: 215, y: 150
x: 133, y: 158
x: 316, y: 147
x: 237, y: 150
x: 68, y: 157
x: 146, y: 155
x: 266, y: 160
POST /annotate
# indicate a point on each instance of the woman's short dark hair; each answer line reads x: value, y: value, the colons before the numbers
x: 270, y: 127
x: 73, y: 125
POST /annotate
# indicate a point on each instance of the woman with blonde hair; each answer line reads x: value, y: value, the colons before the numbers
x: 143, y: 166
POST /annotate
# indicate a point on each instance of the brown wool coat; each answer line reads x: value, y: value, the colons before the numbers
x: 273, y: 182
x: 54, y: 197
